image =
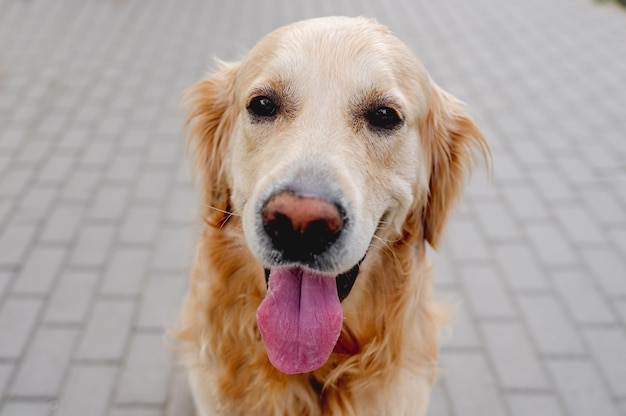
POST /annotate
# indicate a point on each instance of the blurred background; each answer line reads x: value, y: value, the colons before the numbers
x: 98, y: 215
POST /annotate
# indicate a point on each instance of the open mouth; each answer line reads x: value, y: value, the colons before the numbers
x: 345, y: 280
x: 300, y: 318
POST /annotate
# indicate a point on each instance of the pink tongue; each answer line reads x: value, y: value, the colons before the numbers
x: 300, y: 319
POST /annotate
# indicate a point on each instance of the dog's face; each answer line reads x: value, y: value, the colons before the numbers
x: 328, y: 116
x: 327, y: 135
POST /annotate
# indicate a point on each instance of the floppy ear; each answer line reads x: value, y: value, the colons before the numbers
x: 210, y: 117
x: 453, y: 140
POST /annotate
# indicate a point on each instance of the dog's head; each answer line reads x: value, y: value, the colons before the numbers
x: 329, y: 133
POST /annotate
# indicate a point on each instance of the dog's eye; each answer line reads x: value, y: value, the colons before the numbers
x: 384, y: 118
x: 262, y: 106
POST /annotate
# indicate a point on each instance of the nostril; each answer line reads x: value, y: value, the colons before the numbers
x: 299, y: 226
x: 278, y: 226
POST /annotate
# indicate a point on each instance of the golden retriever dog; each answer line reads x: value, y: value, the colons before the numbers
x: 327, y: 159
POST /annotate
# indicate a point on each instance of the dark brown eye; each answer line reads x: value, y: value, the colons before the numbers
x: 262, y: 106
x: 384, y: 118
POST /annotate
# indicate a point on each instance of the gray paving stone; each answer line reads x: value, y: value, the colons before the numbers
x: 514, y: 358
x: 551, y: 246
x: 87, y: 113
x: 141, y: 224
x: 14, y: 241
x: 161, y: 301
x: 52, y: 123
x: 550, y: 326
x: 583, y: 300
x: 5, y: 160
x: 580, y: 226
x: 481, y: 186
x: 5, y: 209
x: 112, y: 126
x: 6, y: 370
x: 42, y: 371
x: 35, y: 205
x: 81, y: 185
x: 73, y: 138
x: 467, y: 244
x: 125, y: 272
x: 136, y: 138
x: 165, y: 153
x: 152, y: 185
x: 110, y: 203
x: 534, y: 404
x: 62, y: 224
x: 87, y: 391
x: 443, y: 274
x: 40, y: 270
x: 4, y: 282
x: 524, y: 202
x: 134, y: 411
x: 171, y: 125
x: 174, y: 248
x: 17, y: 319
x: 98, y: 153
x: 581, y: 388
x: 506, y: 168
x: 123, y: 102
x: 33, y: 153
x: 12, y: 137
x: 600, y: 157
x: 552, y: 187
x: 183, y: 174
x: 124, y: 167
x: 604, y: 206
x: 487, y: 295
x: 93, y: 245
x: 71, y: 298
x: 146, y: 113
x: 608, y: 268
x: 530, y: 154
x: 471, y: 385
x: 575, y: 170
x: 619, y: 238
x: 145, y: 377
x: 57, y: 168
x: 608, y: 346
x: 621, y: 309
x: 107, y: 330
x: 182, y: 206
x: 17, y: 408
x: 496, y: 221
x: 520, y: 267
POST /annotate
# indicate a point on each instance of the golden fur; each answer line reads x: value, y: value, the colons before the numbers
x: 386, y: 358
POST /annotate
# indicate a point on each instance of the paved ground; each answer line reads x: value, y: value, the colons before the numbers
x: 97, y: 213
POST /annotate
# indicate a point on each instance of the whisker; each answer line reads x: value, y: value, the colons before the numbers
x: 229, y: 213
x: 385, y: 248
x: 395, y: 240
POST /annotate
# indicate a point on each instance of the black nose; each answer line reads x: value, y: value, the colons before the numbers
x: 301, y: 227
